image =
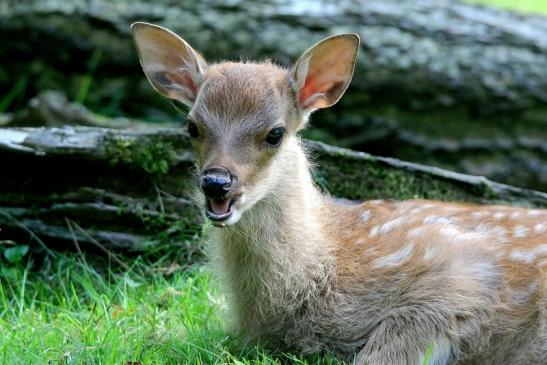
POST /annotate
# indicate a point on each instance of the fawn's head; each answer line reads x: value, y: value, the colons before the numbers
x: 243, y: 115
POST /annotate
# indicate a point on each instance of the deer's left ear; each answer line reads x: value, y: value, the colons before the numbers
x: 323, y: 73
x: 173, y: 68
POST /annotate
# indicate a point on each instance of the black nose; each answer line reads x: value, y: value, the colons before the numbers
x: 215, y: 182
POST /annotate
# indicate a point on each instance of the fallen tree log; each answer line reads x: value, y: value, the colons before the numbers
x: 441, y: 82
x: 132, y: 190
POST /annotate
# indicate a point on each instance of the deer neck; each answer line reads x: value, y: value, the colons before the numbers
x: 289, y: 217
x: 280, y: 239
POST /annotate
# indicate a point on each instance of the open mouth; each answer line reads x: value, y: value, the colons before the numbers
x: 219, y: 210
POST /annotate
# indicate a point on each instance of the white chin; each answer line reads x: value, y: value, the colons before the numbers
x: 231, y: 220
x: 234, y: 217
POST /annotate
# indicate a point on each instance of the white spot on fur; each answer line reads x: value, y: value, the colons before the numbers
x: 360, y: 241
x: 416, y: 210
x: 522, y: 256
x: 488, y: 230
x: 477, y: 269
x: 520, y: 231
x: 515, y: 214
x: 450, y: 231
x: 540, y: 228
x: 499, y: 232
x: 534, y: 213
x: 455, y: 234
x: 541, y: 249
x: 479, y: 214
x: 528, y: 257
x: 421, y: 208
x: 374, y: 231
x: 499, y: 215
x: 435, y: 219
x: 365, y: 216
x: 522, y: 297
x: 387, y: 227
x: 394, y: 258
x: 416, y: 232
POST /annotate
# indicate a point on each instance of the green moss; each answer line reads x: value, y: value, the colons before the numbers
x: 173, y: 238
x: 153, y: 156
x: 361, y: 180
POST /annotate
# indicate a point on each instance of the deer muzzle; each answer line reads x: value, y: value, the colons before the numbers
x: 216, y: 184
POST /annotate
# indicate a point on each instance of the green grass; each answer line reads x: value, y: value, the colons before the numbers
x: 85, y: 84
x: 14, y: 93
x: 527, y: 6
x: 69, y: 310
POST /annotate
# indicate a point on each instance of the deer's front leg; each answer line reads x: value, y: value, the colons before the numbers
x: 405, y: 341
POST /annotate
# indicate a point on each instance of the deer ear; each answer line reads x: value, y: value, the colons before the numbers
x: 173, y: 68
x: 323, y: 73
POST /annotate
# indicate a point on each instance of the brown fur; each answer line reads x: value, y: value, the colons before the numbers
x: 380, y: 281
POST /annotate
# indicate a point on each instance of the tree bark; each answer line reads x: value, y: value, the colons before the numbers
x: 132, y: 190
x: 441, y: 82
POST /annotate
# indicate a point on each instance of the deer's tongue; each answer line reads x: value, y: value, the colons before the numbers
x: 220, y: 206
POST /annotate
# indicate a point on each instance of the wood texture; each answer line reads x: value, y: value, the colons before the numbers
x: 132, y: 190
x: 440, y: 82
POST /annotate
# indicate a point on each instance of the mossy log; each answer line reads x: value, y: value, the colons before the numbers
x: 441, y: 82
x: 132, y: 190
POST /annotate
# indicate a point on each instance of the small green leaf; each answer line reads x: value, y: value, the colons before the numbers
x: 16, y: 254
x: 428, y: 354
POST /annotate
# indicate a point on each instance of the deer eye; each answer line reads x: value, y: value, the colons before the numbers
x: 192, y: 129
x: 274, y: 136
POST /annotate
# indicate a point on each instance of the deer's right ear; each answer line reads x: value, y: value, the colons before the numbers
x: 173, y: 68
x: 323, y: 72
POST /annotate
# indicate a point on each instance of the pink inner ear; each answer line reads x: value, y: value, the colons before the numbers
x: 191, y: 86
x: 311, y: 87
x: 327, y: 72
x: 184, y: 79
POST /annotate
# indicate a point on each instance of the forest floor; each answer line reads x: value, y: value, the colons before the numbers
x: 72, y: 309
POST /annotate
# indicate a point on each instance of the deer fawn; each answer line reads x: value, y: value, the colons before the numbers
x: 379, y: 282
